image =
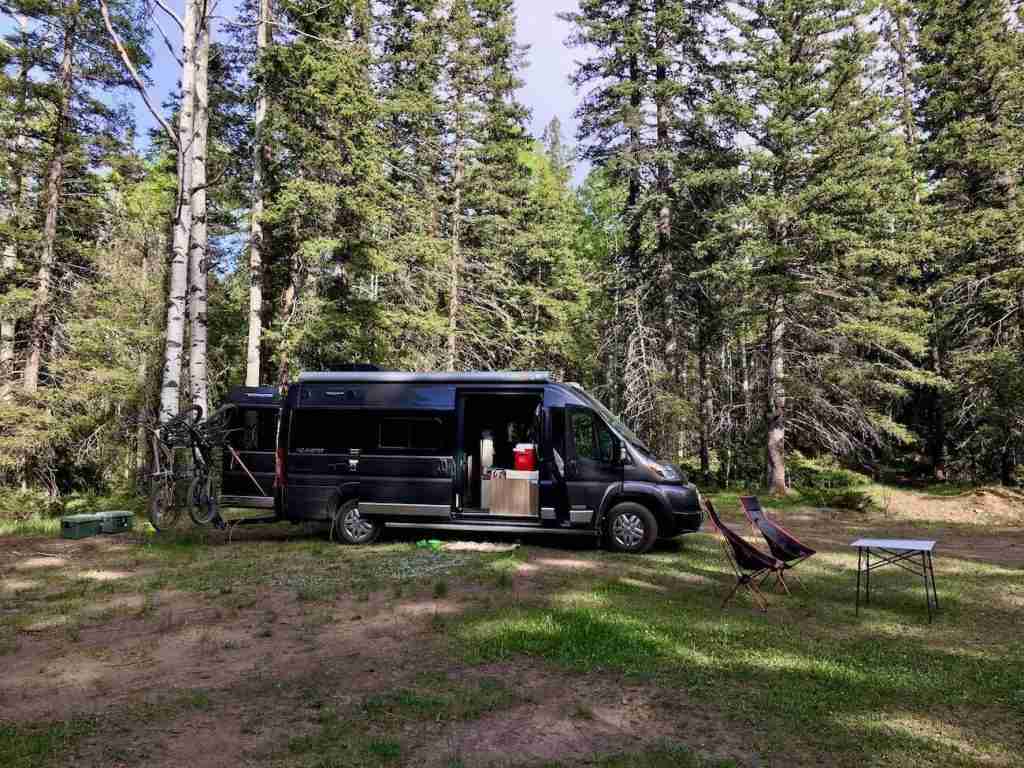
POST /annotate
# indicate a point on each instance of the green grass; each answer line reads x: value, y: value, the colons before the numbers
x: 34, y: 525
x: 886, y: 681
x: 375, y: 733
x: 31, y: 745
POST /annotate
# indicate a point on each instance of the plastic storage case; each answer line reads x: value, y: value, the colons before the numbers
x: 116, y: 521
x: 80, y: 526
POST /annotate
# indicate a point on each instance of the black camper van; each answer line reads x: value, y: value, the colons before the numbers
x: 510, y: 452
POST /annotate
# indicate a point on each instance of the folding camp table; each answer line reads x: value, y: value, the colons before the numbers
x: 904, y: 553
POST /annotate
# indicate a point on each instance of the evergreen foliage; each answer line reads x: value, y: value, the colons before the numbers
x: 798, y: 236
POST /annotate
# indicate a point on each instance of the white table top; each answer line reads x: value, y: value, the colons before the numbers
x: 909, y: 545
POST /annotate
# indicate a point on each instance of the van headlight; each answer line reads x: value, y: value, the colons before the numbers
x: 664, y: 471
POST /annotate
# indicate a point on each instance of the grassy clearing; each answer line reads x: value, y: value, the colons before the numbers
x: 809, y: 678
x: 886, y: 681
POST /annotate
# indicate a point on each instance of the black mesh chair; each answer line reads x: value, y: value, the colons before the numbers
x: 783, y: 544
x: 749, y: 563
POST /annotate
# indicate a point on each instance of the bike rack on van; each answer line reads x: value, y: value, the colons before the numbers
x: 204, y: 441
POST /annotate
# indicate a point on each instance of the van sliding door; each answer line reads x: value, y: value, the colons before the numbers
x: 409, y: 472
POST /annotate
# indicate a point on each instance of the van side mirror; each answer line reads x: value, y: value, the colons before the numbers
x: 620, y: 454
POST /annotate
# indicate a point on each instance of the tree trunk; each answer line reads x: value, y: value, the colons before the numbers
x: 199, y: 264
x: 748, y: 403
x: 776, y: 402
x: 705, y: 411
x: 15, y: 216
x: 455, y: 264
x: 256, y: 239
x: 54, y: 180
x: 902, y: 43
x: 142, y: 369
x: 1007, y: 463
x: 7, y: 324
x: 178, y: 281
x: 287, y: 307
x: 664, y: 222
x: 633, y: 193
x: 937, y: 431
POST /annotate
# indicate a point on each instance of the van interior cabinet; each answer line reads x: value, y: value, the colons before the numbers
x: 514, y: 493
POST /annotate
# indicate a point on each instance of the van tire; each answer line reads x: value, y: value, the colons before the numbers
x: 631, y: 528
x: 347, y: 527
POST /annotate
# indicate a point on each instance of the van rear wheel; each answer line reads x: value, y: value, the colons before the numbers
x: 350, y: 527
x: 631, y: 528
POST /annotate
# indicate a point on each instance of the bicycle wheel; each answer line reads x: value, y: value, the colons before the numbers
x: 202, y: 500
x: 163, y: 511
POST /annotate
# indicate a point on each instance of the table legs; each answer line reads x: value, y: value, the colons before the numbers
x: 905, y: 560
x: 860, y: 558
x: 867, y: 578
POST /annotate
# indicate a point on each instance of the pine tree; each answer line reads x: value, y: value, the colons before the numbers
x: 971, y: 97
x: 413, y: 279
x: 818, y: 230
x: 326, y: 211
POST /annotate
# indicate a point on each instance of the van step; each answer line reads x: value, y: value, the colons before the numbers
x: 493, y: 528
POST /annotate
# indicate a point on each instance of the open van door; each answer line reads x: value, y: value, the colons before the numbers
x: 247, y: 473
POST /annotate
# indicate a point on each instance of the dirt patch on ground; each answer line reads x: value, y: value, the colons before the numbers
x: 570, y: 718
x: 988, y: 506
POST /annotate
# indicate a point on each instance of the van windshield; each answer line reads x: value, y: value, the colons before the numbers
x: 615, y: 422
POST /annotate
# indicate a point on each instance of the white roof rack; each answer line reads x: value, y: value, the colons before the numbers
x: 456, y: 377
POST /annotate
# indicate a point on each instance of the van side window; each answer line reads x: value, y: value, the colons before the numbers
x: 321, y: 430
x: 253, y: 429
x: 593, y: 439
x: 420, y: 434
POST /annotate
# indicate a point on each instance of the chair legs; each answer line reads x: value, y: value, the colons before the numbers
x: 750, y: 582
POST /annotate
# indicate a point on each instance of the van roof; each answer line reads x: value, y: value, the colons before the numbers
x: 467, y: 377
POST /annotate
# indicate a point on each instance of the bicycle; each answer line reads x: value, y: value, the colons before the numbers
x: 186, y: 430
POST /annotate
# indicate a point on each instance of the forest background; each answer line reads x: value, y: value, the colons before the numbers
x: 784, y: 243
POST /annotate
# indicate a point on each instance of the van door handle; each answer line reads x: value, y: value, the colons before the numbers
x: 351, y: 465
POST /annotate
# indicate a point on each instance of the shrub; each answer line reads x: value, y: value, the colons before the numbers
x: 22, y: 504
x: 821, y: 474
x: 844, y: 498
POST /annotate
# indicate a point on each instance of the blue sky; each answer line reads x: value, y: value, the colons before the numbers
x: 546, y: 92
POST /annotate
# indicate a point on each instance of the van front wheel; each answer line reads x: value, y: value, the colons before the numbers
x: 631, y: 528
x: 351, y: 527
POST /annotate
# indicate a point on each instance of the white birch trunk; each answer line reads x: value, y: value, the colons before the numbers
x: 199, y: 264
x: 178, y: 282
x: 252, y: 356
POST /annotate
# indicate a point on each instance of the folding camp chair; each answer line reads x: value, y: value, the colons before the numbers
x: 749, y: 563
x: 783, y: 544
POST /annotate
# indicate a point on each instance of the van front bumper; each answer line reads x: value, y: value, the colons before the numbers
x: 685, y: 510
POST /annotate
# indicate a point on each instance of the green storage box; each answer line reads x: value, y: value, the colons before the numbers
x: 80, y: 526
x: 116, y: 521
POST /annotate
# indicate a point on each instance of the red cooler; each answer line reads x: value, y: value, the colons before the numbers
x: 525, y: 455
